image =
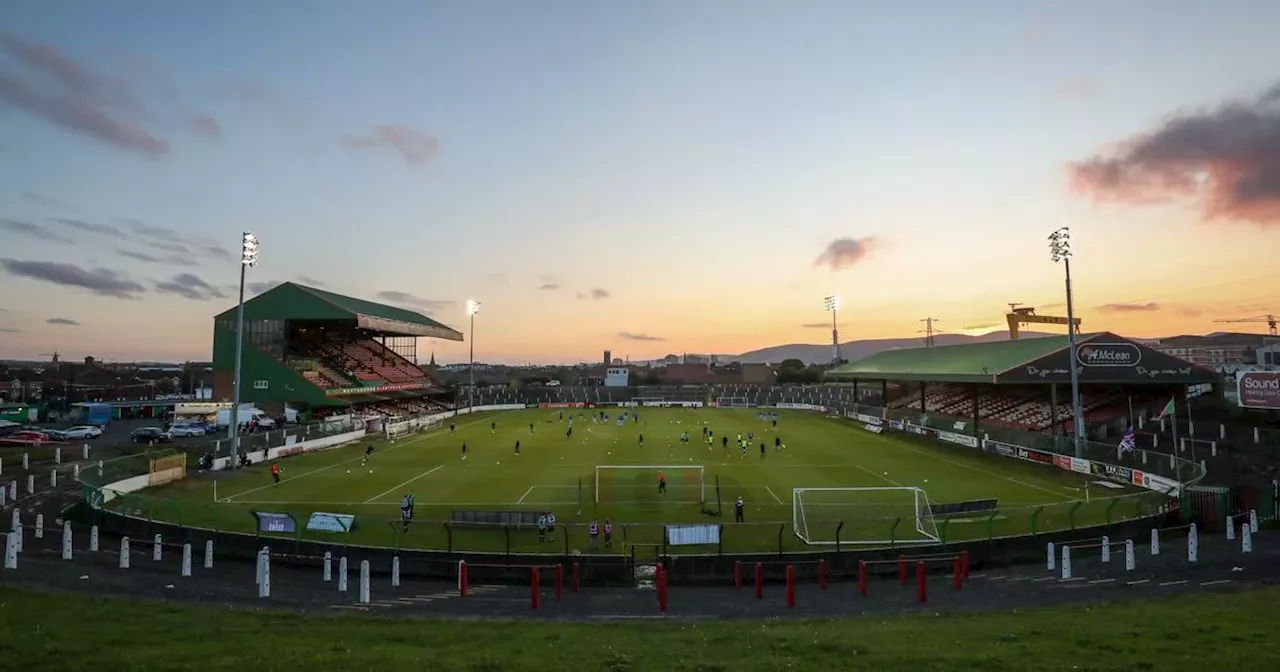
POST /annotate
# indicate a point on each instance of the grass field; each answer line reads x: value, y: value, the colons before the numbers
x: 558, y: 474
x: 71, y: 632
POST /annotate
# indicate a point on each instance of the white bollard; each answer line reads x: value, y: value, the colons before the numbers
x: 16, y: 528
x: 208, y: 554
x: 57, y: 455
x: 264, y: 561
x: 84, y: 455
x: 1231, y: 528
x: 364, y: 582
x: 1155, y: 541
x: 99, y: 467
x: 1253, y: 521
x: 39, y: 526
x: 31, y: 484
x: 1130, y: 561
x: 75, y: 471
x: 342, y: 574
x: 124, y: 552
x: 26, y: 464
x: 1246, y: 539
x: 395, y: 571
x: 1050, y: 561
x: 93, y: 539
x: 257, y: 579
x: 3, y: 495
x: 1106, y: 549
x: 66, y: 540
x: 328, y: 566
x: 21, y: 535
x: 13, y: 489
x: 1256, y: 439
x: 157, y: 549
x: 1066, y: 562
x: 53, y: 478
x: 11, y: 551
x: 1193, y: 544
x: 186, y: 559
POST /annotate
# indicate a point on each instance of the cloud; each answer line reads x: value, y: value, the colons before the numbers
x: 1225, y: 160
x: 190, y: 286
x: 46, y: 201
x: 62, y: 321
x: 629, y: 336
x: 415, y: 147
x: 64, y: 94
x: 100, y: 281
x: 31, y: 231
x: 596, y: 294
x: 820, y: 325
x: 90, y: 227
x: 1075, y: 88
x: 7, y: 330
x: 143, y: 229
x: 256, y: 288
x: 311, y: 281
x: 170, y: 247
x: 406, y: 299
x: 843, y: 253
x: 206, y: 125
x: 979, y: 327
x: 1191, y: 312
x: 548, y: 286
x: 1130, y: 307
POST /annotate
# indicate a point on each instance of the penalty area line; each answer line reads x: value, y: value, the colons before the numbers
x: 424, y: 474
x: 775, y: 496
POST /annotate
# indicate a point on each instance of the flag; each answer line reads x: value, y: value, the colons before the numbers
x: 1166, y: 411
x: 1129, y: 441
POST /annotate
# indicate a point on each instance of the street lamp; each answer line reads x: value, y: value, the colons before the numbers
x: 832, y: 304
x: 248, y: 257
x: 473, y: 307
x: 1060, y: 250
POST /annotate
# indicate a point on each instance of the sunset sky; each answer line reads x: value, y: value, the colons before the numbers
x: 646, y: 177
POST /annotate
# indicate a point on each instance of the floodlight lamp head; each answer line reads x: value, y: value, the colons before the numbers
x: 832, y: 303
x: 249, y: 250
x: 473, y: 307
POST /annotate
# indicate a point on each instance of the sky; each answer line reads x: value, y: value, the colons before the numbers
x: 646, y: 177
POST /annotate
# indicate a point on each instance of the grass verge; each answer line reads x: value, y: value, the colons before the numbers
x: 1229, y: 630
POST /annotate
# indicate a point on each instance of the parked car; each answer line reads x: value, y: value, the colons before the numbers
x: 29, y: 435
x: 149, y: 435
x: 82, y: 432
x: 186, y: 429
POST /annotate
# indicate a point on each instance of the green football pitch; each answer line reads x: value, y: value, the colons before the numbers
x: 873, y: 475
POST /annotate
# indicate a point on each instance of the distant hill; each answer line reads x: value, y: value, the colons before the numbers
x: 855, y: 350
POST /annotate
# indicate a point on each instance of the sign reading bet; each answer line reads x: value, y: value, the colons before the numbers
x: 1259, y: 389
x: 1109, y: 354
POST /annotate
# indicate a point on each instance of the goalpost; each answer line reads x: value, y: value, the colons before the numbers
x: 733, y: 402
x: 628, y: 483
x: 863, y: 516
x: 401, y: 428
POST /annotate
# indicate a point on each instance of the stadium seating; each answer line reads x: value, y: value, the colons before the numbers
x: 371, y: 363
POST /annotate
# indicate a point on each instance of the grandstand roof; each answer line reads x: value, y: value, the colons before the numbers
x: 1104, y: 358
x: 299, y: 302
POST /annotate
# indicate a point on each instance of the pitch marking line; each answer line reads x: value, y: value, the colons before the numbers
x: 775, y: 496
x: 526, y: 494
x: 1166, y: 584
x: 971, y: 467
x: 424, y: 474
x: 397, y: 446
x: 1219, y: 582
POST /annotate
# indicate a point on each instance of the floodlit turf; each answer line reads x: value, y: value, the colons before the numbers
x: 557, y: 474
x: 71, y: 632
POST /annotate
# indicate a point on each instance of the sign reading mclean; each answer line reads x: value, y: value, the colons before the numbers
x: 1109, y: 354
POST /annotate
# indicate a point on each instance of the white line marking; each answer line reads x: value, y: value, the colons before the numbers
x: 1074, y: 579
x: 775, y: 496
x: 1172, y: 583
x: 334, y: 466
x: 424, y: 474
x: 1219, y: 582
x: 1043, y: 579
x: 526, y: 494
x: 1139, y: 582
x: 907, y: 445
x: 1097, y: 581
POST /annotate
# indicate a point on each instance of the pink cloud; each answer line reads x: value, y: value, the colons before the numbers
x: 415, y: 147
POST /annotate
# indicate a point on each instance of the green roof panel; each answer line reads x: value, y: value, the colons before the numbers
x: 965, y: 363
x: 292, y: 301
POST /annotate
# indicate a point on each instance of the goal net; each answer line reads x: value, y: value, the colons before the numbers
x: 863, y: 516
x: 403, y: 427
x: 733, y: 402
x: 628, y: 484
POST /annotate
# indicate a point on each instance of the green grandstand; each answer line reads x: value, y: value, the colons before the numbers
x: 314, y: 349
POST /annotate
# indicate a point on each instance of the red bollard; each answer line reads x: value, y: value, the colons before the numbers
x: 575, y: 576
x: 822, y: 573
x: 462, y: 578
x: 791, y: 586
x: 737, y: 575
x: 964, y: 564
x: 902, y: 569
x: 957, y: 575
x: 862, y: 577
x: 559, y: 581
x: 534, y: 590
x: 921, y: 585
x: 759, y: 580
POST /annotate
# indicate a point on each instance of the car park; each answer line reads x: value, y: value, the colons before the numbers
x: 81, y: 432
x: 149, y: 435
x: 186, y: 429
